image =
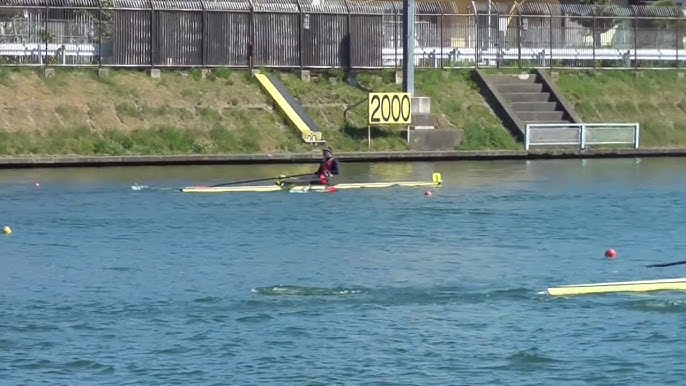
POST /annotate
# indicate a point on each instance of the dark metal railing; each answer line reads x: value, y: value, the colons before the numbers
x: 335, y: 34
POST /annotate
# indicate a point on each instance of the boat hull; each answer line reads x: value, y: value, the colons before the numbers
x: 299, y: 188
x: 677, y: 284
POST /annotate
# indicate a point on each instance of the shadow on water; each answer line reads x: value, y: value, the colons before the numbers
x: 652, y: 302
x: 656, y: 304
x: 527, y: 360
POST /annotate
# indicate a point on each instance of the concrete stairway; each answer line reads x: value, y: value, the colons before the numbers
x: 527, y: 98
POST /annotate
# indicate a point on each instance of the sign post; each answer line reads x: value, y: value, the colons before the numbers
x: 408, y: 45
x: 388, y: 108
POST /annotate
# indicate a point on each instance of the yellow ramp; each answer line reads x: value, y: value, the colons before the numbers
x: 291, y: 108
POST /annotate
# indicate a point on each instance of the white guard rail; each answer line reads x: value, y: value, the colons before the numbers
x: 581, y: 134
x: 393, y: 56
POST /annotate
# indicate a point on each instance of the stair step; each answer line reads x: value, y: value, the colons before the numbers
x: 561, y: 121
x: 534, y: 106
x: 512, y: 78
x: 519, y: 87
x: 424, y: 120
x: 527, y: 96
x: 540, y: 115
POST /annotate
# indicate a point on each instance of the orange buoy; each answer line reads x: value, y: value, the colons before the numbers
x: 611, y: 254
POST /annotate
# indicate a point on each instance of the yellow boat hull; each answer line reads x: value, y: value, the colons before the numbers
x: 437, y: 181
x: 677, y: 284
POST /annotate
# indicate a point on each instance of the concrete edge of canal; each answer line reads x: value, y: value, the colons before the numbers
x: 285, y: 158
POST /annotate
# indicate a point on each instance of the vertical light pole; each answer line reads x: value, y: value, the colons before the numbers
x: 408, y: 46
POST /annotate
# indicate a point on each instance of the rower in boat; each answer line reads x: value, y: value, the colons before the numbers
x: 327, y: 167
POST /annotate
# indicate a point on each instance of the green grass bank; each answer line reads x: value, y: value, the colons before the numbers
x: 76, y: 112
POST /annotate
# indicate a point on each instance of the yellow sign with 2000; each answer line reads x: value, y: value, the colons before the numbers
x: 389, y: 108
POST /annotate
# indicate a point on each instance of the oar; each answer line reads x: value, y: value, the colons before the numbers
x: 261, y: 179
x: 666, y: 264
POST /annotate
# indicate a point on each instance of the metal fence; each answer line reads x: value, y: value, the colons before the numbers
x: 336, y: 34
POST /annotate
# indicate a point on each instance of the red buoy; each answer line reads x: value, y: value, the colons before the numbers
x: 611, y: 254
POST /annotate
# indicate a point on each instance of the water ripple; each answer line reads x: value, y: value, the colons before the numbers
x: 290, y: 290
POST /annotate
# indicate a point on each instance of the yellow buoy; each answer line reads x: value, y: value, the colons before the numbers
x: 6, y: 230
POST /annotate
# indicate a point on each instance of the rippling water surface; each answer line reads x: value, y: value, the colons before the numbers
x: 103, y: 284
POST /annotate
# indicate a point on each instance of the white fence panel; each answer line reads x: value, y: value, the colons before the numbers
x: 581, y: 134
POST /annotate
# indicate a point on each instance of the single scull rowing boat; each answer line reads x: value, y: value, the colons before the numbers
x: 295, y: 187
x: 678, y: 284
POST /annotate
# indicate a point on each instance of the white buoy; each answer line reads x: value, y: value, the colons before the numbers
x: 6, y: 230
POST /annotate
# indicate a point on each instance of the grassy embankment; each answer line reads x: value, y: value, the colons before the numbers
x: 76, y: 112
x: 655, y: 99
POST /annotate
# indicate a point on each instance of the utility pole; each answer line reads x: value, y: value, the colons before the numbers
x: 408, y: 46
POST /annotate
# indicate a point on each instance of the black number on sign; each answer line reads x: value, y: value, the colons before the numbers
x: 386, y: 108
x: 375, y: 111
x: 405, y: 109
x: 395, y: 108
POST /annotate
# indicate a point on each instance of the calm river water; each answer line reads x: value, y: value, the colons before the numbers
x: 102, y: 284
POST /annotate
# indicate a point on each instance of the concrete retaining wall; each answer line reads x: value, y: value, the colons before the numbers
x: 435, y: 139
x: 284, y: 158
